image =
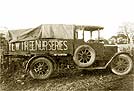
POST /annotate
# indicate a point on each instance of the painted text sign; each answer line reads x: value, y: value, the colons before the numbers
x: 39, y: 45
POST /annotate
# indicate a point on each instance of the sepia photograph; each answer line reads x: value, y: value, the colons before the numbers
x: 66, y: 45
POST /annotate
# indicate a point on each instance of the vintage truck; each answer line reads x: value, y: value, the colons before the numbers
x: 51, y: 47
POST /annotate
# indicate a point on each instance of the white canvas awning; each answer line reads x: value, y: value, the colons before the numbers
x: 43, y: 31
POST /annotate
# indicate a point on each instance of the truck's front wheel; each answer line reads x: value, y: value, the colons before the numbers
x: 41, y: 68
x: 122, y: 64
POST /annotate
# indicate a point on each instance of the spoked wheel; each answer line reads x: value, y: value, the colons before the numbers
x: 41, y: 68
x: 84, y: 56
x: 122, y: 64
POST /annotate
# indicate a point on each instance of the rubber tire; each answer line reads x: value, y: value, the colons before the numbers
x: 92, y: 59
x: 129, y: 67
x: 49, y: 64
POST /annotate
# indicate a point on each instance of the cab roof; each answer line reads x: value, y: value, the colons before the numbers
x: 89, y: 28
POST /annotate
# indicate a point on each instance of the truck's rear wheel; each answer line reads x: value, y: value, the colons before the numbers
x: 84, y: 56
x: 41, y: 68
x: 122, y: 64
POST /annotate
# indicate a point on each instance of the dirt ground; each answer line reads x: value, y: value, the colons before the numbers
x: 96, y: 80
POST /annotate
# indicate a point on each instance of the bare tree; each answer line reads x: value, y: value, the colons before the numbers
x: 128, y: 29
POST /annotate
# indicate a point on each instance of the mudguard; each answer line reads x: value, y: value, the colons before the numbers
x: 37, y: 56
x: 116, y: 54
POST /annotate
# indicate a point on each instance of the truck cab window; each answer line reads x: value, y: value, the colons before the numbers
x: 79, y: 34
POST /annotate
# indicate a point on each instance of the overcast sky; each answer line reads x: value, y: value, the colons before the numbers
x: 20, y: 14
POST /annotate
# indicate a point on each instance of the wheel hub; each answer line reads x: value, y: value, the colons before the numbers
x: 84, y: 56
x: 41, y: 68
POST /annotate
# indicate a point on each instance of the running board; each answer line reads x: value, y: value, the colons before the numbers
x: 92, y: 68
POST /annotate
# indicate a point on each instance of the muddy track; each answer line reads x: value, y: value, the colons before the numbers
x: 72, y: 81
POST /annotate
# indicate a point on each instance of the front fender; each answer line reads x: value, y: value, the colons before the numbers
x: 115, y: 55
